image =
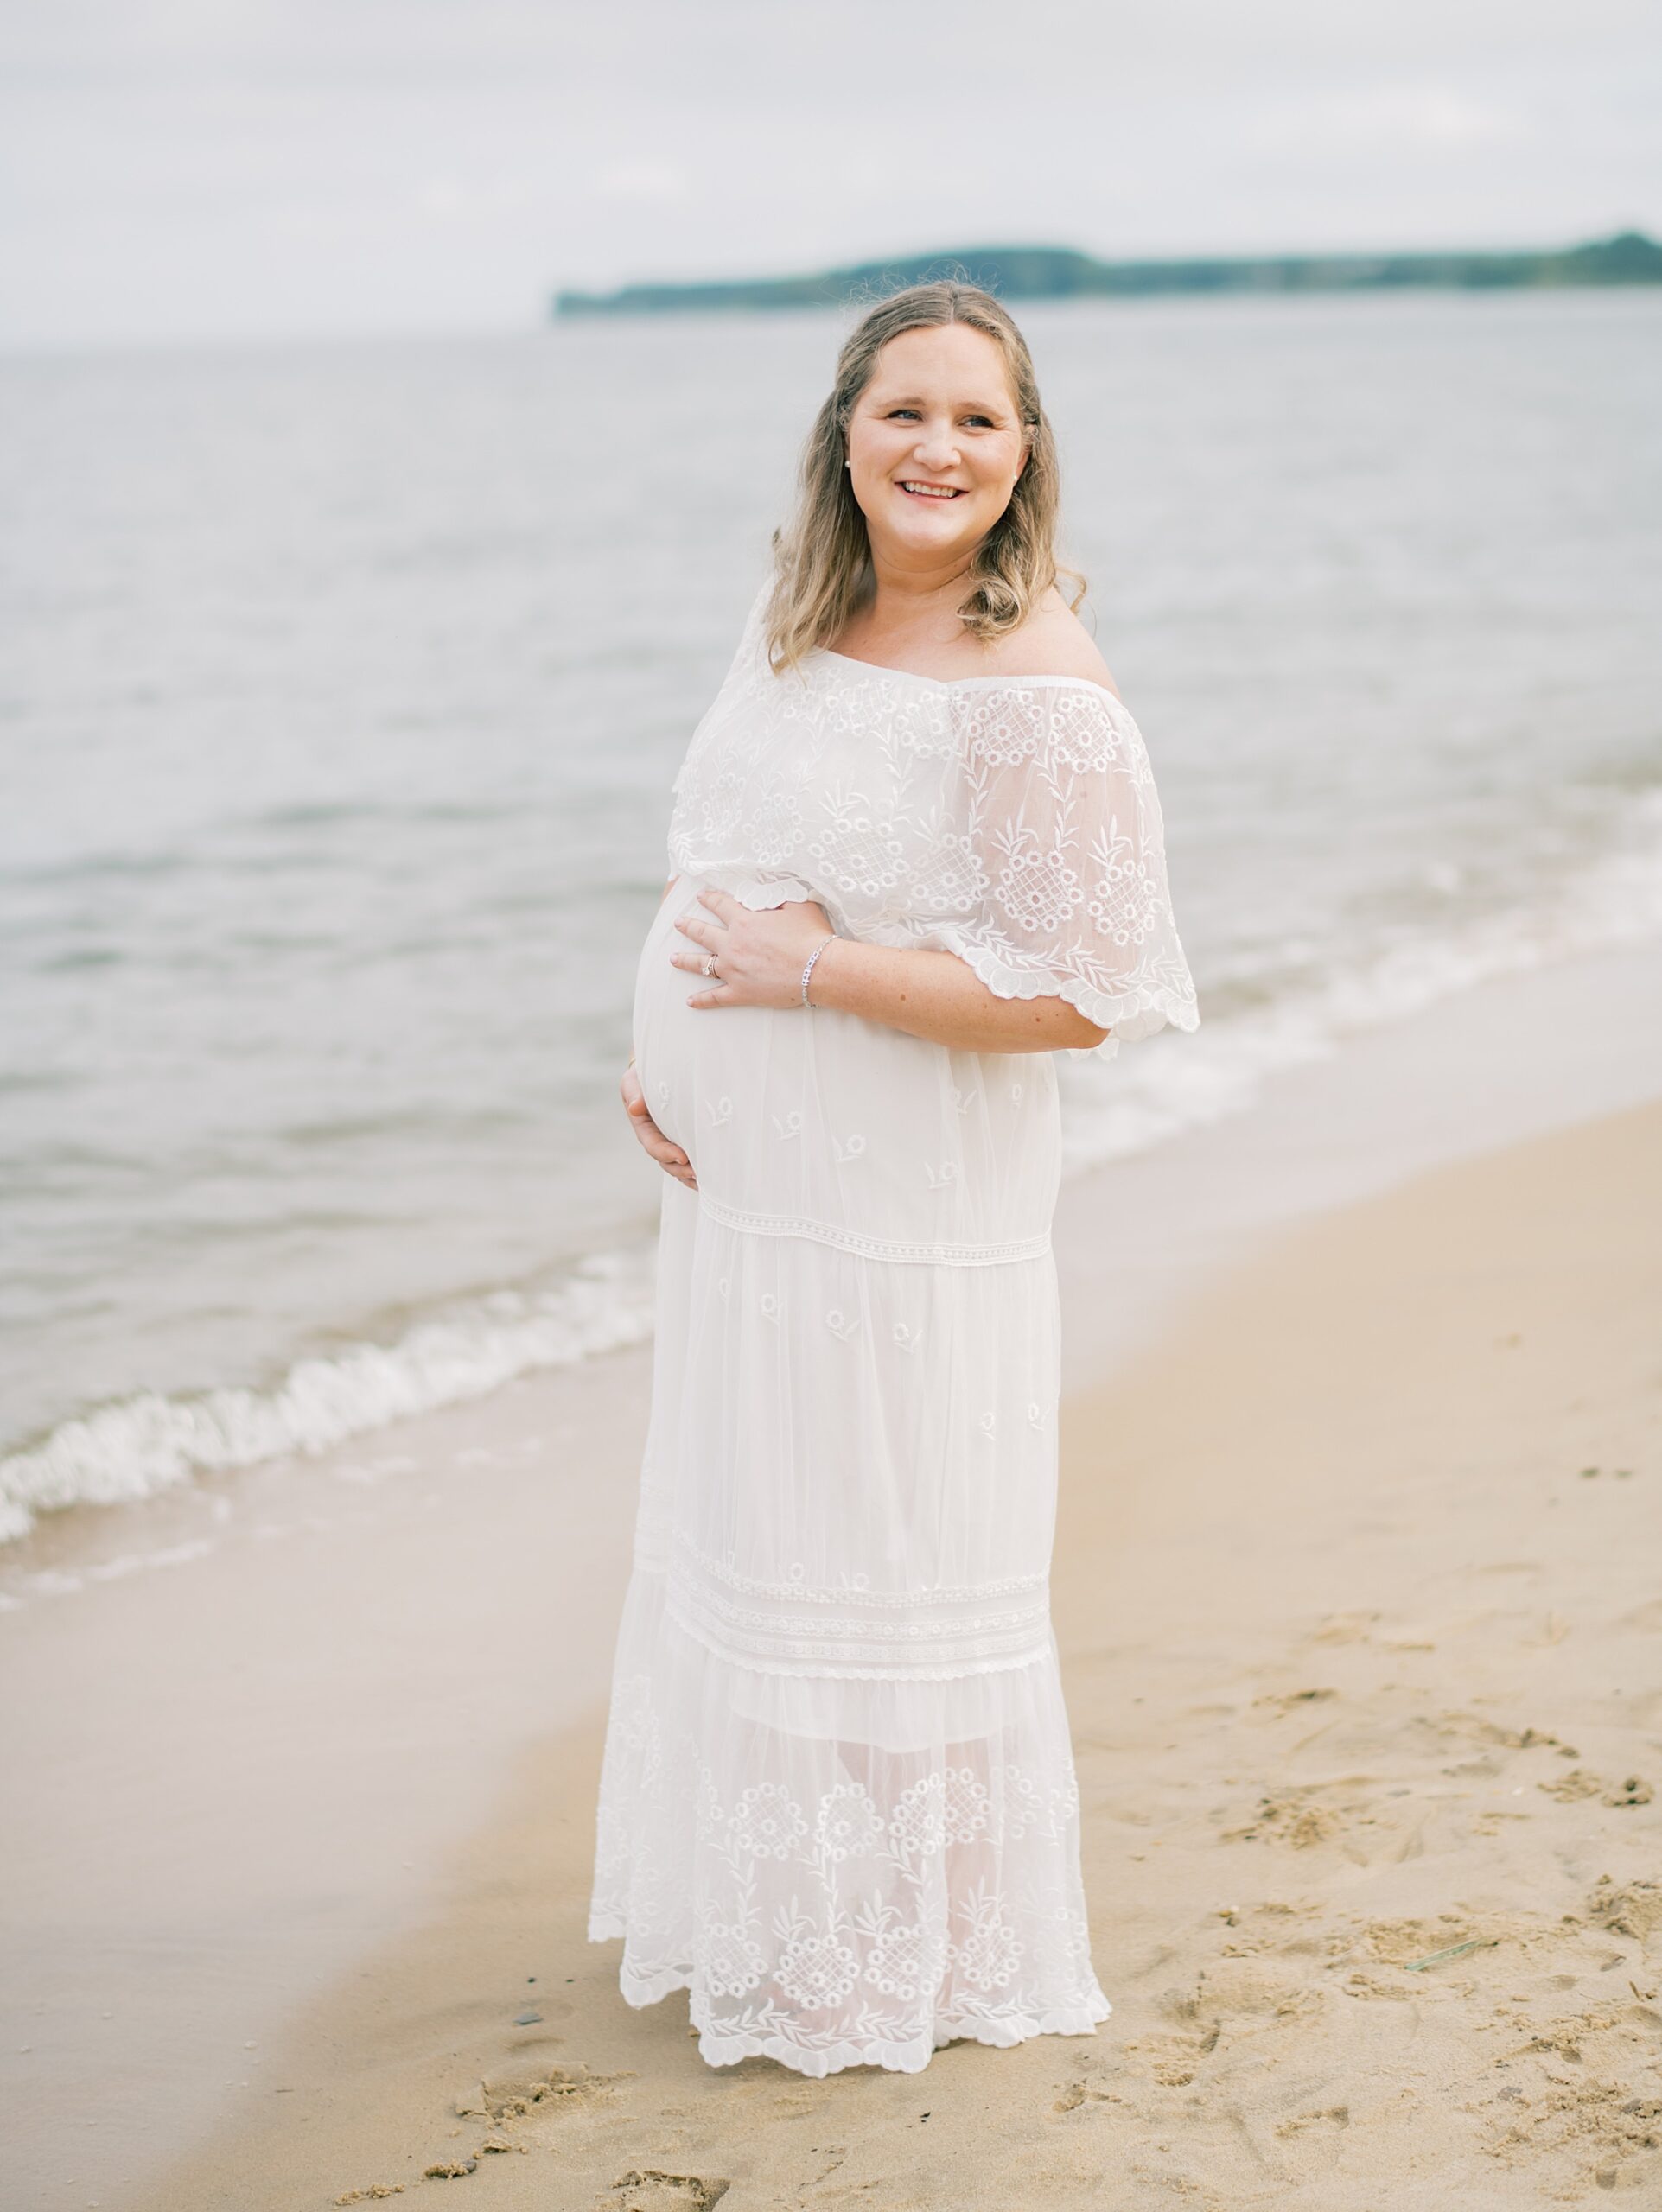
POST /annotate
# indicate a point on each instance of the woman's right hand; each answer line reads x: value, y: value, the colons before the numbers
x: 669, y: 1157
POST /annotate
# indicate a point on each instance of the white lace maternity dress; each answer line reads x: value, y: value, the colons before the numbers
x: 837, y: 1802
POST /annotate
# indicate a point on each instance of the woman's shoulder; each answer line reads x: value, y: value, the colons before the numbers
x: 1053, y: 641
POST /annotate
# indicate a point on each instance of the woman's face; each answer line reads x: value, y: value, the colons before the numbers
x: 934, y: 445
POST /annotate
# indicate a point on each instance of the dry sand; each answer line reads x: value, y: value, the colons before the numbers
x: 1358, y: 1589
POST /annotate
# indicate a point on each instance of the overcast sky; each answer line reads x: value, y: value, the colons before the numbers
x: 177, y: 168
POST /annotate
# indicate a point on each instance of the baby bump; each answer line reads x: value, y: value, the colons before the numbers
x: 826, y: 1119
x: 688, y: 1077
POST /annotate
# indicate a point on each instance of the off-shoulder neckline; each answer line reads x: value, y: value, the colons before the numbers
x: 957, y: 682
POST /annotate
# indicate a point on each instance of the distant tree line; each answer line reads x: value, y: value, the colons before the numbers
x: 1051, y: 272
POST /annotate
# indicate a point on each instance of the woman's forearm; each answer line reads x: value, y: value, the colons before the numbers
x: 936, y: 996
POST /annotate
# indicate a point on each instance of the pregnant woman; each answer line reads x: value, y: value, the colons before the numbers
x: 917, y: 850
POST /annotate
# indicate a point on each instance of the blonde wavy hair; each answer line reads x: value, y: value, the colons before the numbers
x: 822, y: 562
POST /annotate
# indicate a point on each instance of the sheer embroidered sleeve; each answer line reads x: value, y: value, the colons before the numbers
x: 1062, y: 887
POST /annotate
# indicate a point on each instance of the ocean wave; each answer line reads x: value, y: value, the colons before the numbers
x: 143, y: 1445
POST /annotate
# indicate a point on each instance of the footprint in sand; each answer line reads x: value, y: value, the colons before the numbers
x: 1578, y: 1782
x: 1288, y: 1818
x: 1239, y: 2000
x: 1173, y: 2059
x: 1079, y: 2092
x: 1631, y: 1909
x: 1270, y: 1926
x: 1568, y: 1787
x: 1314, y: 2140
x: 1343, y: 1628
x: 1578, y: 2096
x: 652, y: 2191
x: 1635, y: 1790
x: 503, y: 2102
x: 1245, y: 1994
x: 1475, y: 1728
x: 1291, y: 1700
x: 1415, y: 1943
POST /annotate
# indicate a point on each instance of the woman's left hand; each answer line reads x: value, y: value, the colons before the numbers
x: 760, y: 953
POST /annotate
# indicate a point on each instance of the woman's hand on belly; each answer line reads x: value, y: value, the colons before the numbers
x: 669, y: 1157
x: 758, y: 953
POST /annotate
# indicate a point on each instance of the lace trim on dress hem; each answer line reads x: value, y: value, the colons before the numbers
x: 719, y: 2048
x: 903, y: 2058
x: 940, y: 1254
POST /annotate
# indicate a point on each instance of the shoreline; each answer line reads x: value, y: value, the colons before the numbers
x: 1354, y: 1608
x: 332, y: 1665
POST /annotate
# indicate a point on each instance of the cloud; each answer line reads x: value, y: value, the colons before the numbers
x: 1380, y: 118
x: 645, y: 182
x: 452, y: 199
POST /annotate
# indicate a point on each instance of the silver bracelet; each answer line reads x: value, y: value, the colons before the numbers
x: 808, y: 970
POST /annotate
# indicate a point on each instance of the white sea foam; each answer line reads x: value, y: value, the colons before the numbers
x: 145, y: 1444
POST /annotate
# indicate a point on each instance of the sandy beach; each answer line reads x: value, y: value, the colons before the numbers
x: 1357, y: 1593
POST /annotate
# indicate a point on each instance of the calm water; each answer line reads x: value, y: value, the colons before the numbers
x: 341, y: 689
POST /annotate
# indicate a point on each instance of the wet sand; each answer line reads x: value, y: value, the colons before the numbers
x: 1361, y: 1620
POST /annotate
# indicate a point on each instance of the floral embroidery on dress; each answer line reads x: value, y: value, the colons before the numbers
x: 776, y: 827
x: 1125, y: 904
x: 848, y: 1820
x: 796, y: 1920
x: 966, y: 1804
x: 952, y: 880
x: 989, y: 1952
x: 817, y: 1971
x: 1038, y: 890
x: 1013, y: 822
x: 766, y: 1822
x: 918, y: 1823
x: 907, y: 1959
x: 731, y: 1961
